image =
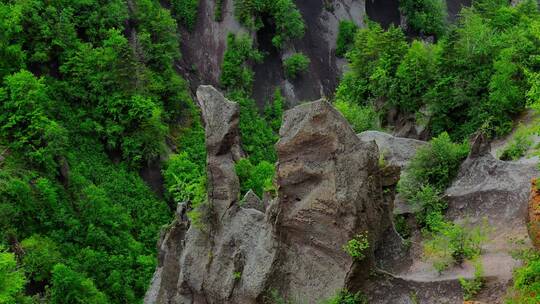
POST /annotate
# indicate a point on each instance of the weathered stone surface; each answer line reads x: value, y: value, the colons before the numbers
x: 396, y: 150
x: 329, y: 191
x: 491, y: 188
x: 252, y: 201
x: 221, y: 118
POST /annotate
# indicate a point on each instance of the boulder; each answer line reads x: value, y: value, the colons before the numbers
x: 251, y: 200
x: 396, y: 151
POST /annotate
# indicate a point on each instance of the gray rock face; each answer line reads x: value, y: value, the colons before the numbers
x: 329, y: 191
x: 488, y: 187
x: 397, y: 151
x: 251, y: 200
x: 221, y: 118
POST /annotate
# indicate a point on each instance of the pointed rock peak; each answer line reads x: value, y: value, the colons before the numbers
x: 480, y: 145
x: 251, y: 200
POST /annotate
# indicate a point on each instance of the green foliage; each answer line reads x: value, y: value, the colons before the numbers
x: 235, y: 73
x: 357, y: 246
x: 258, y: 138
x: 26, y: 121
x: 40, y: 256
x: 518, y: 147
x: 237, y: 275
x: 480, y: 75
x: 185, y: 11
x: 472, y: 286
x: 400, y: 223
x: 258, y: 132
x: 414, y: 76
x: 451, y: 243
x: 428, y: 174
x: 258, y: 178
x: 185, y: 180
x: 70, y: 287
x: 11, y: 278
x: 526, y: 289
x: 273, y: 297
x: 273, y: 111
x: 361, y: 118
x: 427, y: 17
x: 87, y: 100
x: 218, y: 10
x: 346, y: 297
x: 295, y: 65
x: 345, y: 38
x: 287, y: 19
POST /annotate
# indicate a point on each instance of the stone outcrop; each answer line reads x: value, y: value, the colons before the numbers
x: 395, y: 150
x: 329, y: 190
x: 491, y: 188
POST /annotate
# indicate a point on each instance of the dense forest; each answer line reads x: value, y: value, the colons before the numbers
x: 90, y: 98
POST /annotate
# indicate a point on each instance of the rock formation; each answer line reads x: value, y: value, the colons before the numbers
x: 329, y: 190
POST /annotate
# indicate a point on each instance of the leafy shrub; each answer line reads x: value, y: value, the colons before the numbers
x: 472, y: 286
x: 476, y: 76
x: 11, y: 279
x: 287, y: 19
x: 361, y: 118
x: 273, y: 112
x: 346, y: 297
x: 526, y: 289
x: 400, y: 223
x: 235, y: 73
x: 218, y: 10
x: 357, y: 246
x: 435, y: 164
x: 295, y: 64
x: 185, y: 181
x: 453, y: 243
x: 185, y: 11
x: 70, y: 287
x: 345, y: 38
x: 430, y: 172
x: 26, y: 119
x: 519, y: 145
x: 258, y: 178
x: 427, y: 17
x: 40, y: 256
x: 414, y: 76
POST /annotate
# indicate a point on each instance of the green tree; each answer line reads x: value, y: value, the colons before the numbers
x: 11, y: 278
x: 26, y: 122
x: 295, y: 64
x: 427, y: 17
x: 185, y: 12
x: 347, y: 30
x: 70, y: 287
x: 40, y: 256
